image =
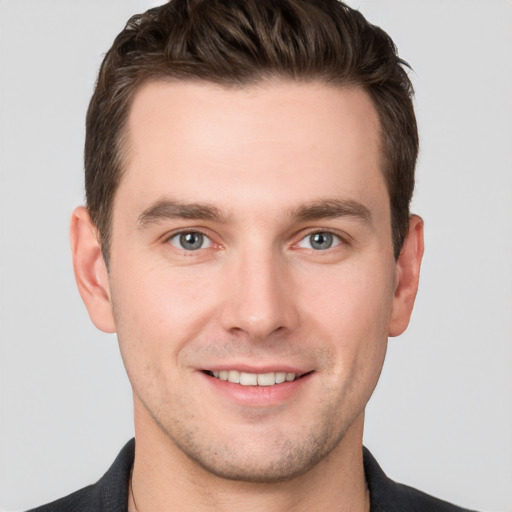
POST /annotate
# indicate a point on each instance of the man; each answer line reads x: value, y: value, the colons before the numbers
x: 249, y: 168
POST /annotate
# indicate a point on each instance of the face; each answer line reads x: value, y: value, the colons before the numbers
x: 252, y: 282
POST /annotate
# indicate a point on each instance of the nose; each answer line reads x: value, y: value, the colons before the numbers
x: 259, y: 296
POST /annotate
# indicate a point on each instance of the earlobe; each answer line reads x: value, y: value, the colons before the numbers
x: 408, y: 273
x: 90, y: 270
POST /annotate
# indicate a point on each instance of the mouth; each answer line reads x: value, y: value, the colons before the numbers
x: 255, y: 379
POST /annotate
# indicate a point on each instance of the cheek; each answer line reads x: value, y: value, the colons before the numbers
x: 161, y: 309
x: 156, y: 315
x: 351, y: 311
x: 353, y: 301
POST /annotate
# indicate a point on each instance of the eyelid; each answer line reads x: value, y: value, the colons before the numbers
x: 342, y: 237
x: 193, y: 229
x: 175, y: 241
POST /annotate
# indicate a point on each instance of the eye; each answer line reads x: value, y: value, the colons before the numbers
x: 320, y: 241
x: 190, y: 241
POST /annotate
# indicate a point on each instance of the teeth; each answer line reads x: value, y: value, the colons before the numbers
x: 234, y: 376
x: 281, y: 377
x: 254, y: 379
x: 248, y: 379
x: 266, y: 379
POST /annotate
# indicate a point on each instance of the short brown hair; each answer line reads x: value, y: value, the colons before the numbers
x: 238, y: 43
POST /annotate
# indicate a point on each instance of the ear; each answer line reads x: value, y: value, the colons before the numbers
x: 90, y: 270
x: 407, y: 277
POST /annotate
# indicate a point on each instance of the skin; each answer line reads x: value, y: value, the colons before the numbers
x: 270, y: 166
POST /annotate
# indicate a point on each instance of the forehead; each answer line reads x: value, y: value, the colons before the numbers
x: 195, y: 139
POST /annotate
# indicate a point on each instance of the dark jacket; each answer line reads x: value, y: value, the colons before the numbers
x: 110, y: 493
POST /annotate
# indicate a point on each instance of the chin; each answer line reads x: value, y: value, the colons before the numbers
x: 287, y: 467
x: 261, y: 458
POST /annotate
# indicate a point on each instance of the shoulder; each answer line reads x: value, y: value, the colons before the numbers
x: 109, y: 494
x: 417, y: 501
x: 84, y: 500
x: 387, y: 495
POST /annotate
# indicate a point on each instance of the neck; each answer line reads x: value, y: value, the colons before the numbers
x: 165, y: 479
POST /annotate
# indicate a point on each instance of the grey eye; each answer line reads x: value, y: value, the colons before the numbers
x: 320, y: 241
x: 190, y: 241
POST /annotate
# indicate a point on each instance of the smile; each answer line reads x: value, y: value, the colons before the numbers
x: 254, y: 379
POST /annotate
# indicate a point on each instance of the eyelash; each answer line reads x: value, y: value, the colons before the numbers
x: 336, y: 240
x: 184, y: 232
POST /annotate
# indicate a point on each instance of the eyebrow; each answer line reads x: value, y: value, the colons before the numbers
x: 172, y: 209
x: 332, y: 208
x: 321, y: 209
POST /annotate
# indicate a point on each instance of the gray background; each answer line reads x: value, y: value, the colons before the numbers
x: 441, y: 418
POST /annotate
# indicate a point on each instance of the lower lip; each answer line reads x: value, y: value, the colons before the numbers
x: 258, y: 396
